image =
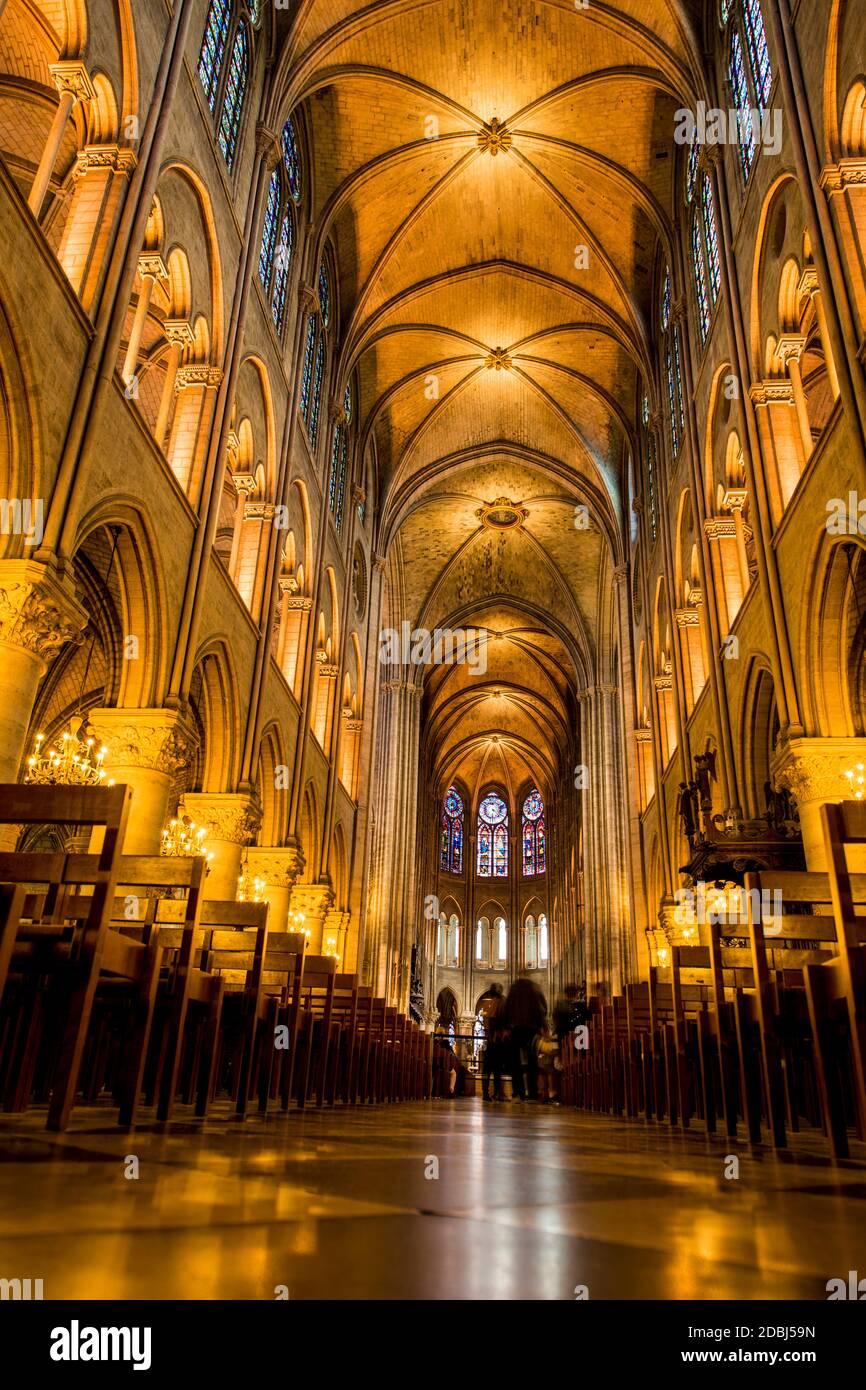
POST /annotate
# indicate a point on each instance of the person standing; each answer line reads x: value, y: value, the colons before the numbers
x: 525, y: 1018
x: 493, y: 1017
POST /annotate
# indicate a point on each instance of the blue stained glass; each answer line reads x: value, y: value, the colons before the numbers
x: 324, y: 295
x: 270, y: 230
x: 233, y: 101
x: 213, y: 48
x: 454, y: 802
x: 283, y: 263
x: 528, y: 849
x: 540, y: 850
x: 341, y: 482
x: 679, y: 384
x: 335, y: 464
x: 711, y: 236
x: 759, y: 55
x: 700, y: 279
x: 740, y: 87
x: 533, y: 805
x: 451, y: 859
x: 692, y: 170
x: 291, y: 159
x: 644, y: 413
x: 666, y: 302
x: 500, y: 852
x: 651, y: 485
x: 309, y: 353
x: 672, y: 404
x: 347, y: 403
x: 317, y: 391
x: 485, y: 851
x: 493, y: 809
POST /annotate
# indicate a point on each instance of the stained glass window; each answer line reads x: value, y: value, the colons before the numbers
x: 759, y: 56
x: 451, y: 852
x: 317, y: 391
x: 493, y: 837
x: 341, y: 483
x: 651, y: 484
x: 666, y: 302
x: 692, y: 170
x: 213, y: 48
x: 291, y: 159
x: 309, y: 358
x: 533, y: 835
x: 336, y: 449
x: 711, y: 235
x: 672, y: 402
x: 233, y: 101
x: 270, y: 230
x: 740, y: 87
x: 324, y: 295
x: 700, y: 279
x: 679, y: 385
x: 283, y: 263
x: 644, y: 410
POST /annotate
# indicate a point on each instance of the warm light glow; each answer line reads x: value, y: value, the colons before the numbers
x: 251, y: 892
x: 76, y: 763
x: 182, y: 839
x: 857, y: 779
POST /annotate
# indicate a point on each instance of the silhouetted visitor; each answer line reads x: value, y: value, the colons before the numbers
x: 569, y: 1012
x: 525, y: 1017
x: 493, y: 1020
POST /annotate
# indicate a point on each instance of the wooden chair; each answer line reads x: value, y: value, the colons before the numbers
x: 73, y: 964
x: 845, y: 982
x: 318, y: 1030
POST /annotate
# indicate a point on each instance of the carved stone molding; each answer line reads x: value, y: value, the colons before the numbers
x: 791, y: 346
x: 178, y: 331
x: 848, y: 173
x: 100, y: 157
x: 735, y: 499
x: 259, y: 511
x: 772, y: 392
x: 38, y: 611
x: 300, y: 603
x: 620, y: 574
x: 151, y: 263
x: 687, y: 617
x: 329, y: 670
x: 720, y: 528
x: 280, y: 866
x: 158, y: 739
x: 230, y: 816
x: 268, y: 146
x: 313, y: 899
x: 308, y: 300
x: 197, y: 374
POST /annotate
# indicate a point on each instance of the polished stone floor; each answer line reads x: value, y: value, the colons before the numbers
x: 529, y: 1203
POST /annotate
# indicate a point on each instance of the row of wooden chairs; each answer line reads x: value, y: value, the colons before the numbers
x: 118, y: 976
x: 768, y: 1036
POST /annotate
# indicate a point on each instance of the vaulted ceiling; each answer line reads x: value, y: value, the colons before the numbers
x: 496, y: 181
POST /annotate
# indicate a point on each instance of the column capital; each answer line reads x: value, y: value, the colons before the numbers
x: 197, y: 374
x: 268, y: 146
x: 813, y: 769
x: 279, y: 865
x: 719, y: 528
x: 809, y: 282
x: 151, y: 263
x: 71, y: 75
x: 179, y: 332
x: 735, y: 499
x: 161, y: 740
x: 308, y: 300
x: 772, y: 392
x: 117, y: 158
x: 620, y: 574
x: 39, y: 612
x: 231, y: 816
x: 790, y: 345
x: 313, y: 899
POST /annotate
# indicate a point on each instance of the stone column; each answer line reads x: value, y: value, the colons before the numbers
x: 150, y: 268
x: 279, y: 867
x: 73, y: 83
x: 195, y: 389
x: 99, y: 184
x: 334, y: 930
x: 315, y: 901
x: 39, y: 614
x: 147, y: 748
x: 179, y: 334
x: 232, y: 820
x: 813, y: 771
x: 390, y: 925
x: 609, y: 955
x: 790, y: 349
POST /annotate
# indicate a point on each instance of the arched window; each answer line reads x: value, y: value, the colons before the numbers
x: 235, y: 91
x: 500, y: 936
x: 543, y: 941
x: 534, y: 848
x: 700, y: 279
x: 314, y: 358
x: 278, y: 233
x: 451, y: 842
x: 530, y: 943
x: 711, y: 236
x: 213, y: 47
x: 339, y: 462
x: 750, y: 71
x: 482, y: 941
x: 452, y: 955
x: 441, y: 933
x: 673, y: 370
x: 492, y: 837
x: 650, y: 461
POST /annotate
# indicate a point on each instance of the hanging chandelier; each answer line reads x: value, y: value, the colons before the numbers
x: 74, y: 762
x: 857, y: 781
x: 296, y: 924
x: 183, y: 839
x: 251, y: 892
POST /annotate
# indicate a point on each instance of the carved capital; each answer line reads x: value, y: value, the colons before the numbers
x: 230, y: 816
x: 620, y: 574
x: 100, y: 157
x: 772, y: 392
x: 848, y: 173
x: 197, y: 374
x: 158, y: 739
x: 312, y: 899
x: 300, y: 603
x: 735, y: 499
x: 813, y: 769
x: 72, y: 76
x: 151, y: 263
x: 790, y: 346
x: 308, y: 300
x: 280, y: 866
x: 38, y: 611
x: 178, y: 331
x: 687, y: 617
x: 268, y: 146
x: 720, y: 528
